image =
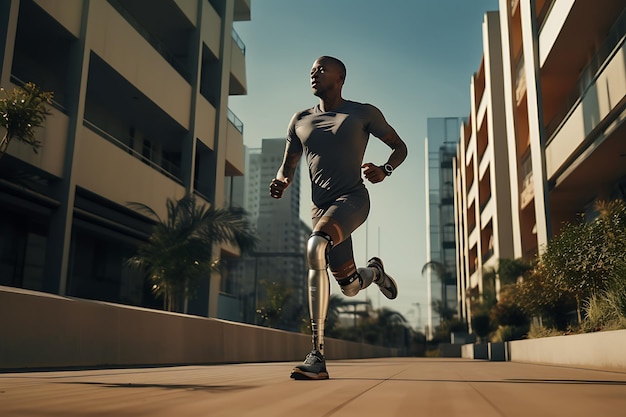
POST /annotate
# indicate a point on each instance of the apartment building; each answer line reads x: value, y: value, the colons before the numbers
x: 482, y: 196
x: 565, y: 81
x: 281, y: 254
x: 140, y: 114
x: 440, y: 269
x: 279, y: 258
x: 556, y: 141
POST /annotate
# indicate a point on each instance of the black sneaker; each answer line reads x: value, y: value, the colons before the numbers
x: 385, y: 283
x: 314, y: 367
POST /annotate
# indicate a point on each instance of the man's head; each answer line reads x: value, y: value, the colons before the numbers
x: 327, y: 76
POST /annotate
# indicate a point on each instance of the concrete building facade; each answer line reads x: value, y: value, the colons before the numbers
x: 482, y: 174
x: 565, y: 82
x: 545, y: 138
x: 440, y: 269
x: 140, y: 114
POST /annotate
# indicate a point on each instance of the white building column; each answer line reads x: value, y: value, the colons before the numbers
x: 530, y: 42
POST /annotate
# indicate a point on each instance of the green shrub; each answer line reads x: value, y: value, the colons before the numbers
x: 537, y: 331
x: 586, y: 259
x: 508, y: 333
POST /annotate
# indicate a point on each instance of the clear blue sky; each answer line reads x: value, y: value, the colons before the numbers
x: 412, y: 59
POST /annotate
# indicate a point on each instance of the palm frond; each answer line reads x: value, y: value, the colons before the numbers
x: 144, y: 208
x: 179, y: 250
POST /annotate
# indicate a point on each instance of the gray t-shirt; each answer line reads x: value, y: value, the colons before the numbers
x: 334, y: 144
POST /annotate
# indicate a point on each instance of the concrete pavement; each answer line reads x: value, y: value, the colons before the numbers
x: 373, y: 387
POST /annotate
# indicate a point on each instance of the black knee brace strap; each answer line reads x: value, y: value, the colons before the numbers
x: 349, y: 280
x: 317, y: 249
x: 325, y: 236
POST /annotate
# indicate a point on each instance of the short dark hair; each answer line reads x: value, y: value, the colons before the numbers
x: 337, y: 62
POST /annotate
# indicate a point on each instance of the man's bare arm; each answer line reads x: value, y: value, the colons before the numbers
x: 288, y: 168
x: 285, y: 173
x: 374, y: 173
x: 399, y: 149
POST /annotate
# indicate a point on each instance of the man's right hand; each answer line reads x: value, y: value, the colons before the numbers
x: 277, y: 187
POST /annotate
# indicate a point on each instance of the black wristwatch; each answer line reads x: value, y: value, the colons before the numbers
x: 387, y: 169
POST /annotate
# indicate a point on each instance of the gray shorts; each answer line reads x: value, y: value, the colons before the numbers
x: 348, y: 212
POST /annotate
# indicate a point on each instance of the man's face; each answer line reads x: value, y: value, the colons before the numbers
x: 325, y: 77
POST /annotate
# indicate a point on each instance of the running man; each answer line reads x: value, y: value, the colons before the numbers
x: 333, y: 136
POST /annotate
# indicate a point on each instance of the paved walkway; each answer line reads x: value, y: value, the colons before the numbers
x: 376, y: 387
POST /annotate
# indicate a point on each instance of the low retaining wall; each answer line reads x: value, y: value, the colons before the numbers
x: 39, y: 330
x: 601, y: 350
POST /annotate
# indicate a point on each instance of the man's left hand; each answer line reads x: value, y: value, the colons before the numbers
x: 373, y: 173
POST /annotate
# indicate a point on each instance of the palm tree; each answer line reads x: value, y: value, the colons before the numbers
x: 441, y: 271
x: 393, y: 326
x: 21, y: 111
x: 179, y: 250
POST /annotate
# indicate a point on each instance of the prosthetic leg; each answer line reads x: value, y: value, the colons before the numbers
x: 314, y: 366
x: 318, y: 246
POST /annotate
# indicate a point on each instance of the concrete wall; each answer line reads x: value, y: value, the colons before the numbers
x: 39, y: 330
x: 601, y: 350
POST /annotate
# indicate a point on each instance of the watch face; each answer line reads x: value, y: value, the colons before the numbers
x: 388, y: 169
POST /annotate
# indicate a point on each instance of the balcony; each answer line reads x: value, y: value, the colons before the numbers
x: 170, y: 37
x: 235, y: 158
x: 467, y: 131
x: 205, y: 122
x: 595, y: 109
x: 471, y: 218
x: 543, y: 10
x: 527, y: 189
x: 482, y: 141
x: 484, y: 190
x: 238, y: 85
x: 53, y: 136
x: 585, y: 154
x: 479, y: 84
x: 105, y: 163
x: 520, y: 79
x: 469, y: 177
x: 242, y: 10
x: 121, y: 56
x: 607, y: 55
x: 473, y: 261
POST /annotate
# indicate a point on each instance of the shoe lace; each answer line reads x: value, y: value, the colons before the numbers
x: 312, y: 358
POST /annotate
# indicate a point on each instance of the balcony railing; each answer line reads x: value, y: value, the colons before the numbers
x: 20, y: 83
x: 544, y: 12
x: 527, y: 190
x: 238, y: 41
x: 235, y: 121
x: 487, y: 255
x: 483, y: 203
x: 589, y: 74
x: 170, y: 57
x: 170, y: 170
